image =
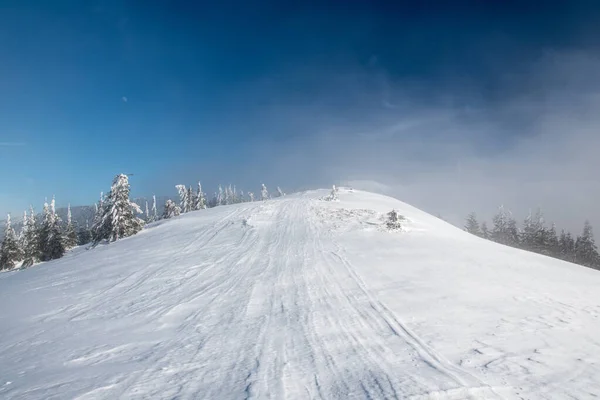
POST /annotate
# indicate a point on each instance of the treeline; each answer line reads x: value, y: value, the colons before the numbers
x: 48, y: 237
x: 534, y: 235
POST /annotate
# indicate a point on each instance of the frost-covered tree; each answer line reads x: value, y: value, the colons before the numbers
x: 280, y: 192
x: 586, y: 252
x: 264, y: 193
x: 192, y: 198
x: 50, y: 237
x: 147, y: 212
x: 251, y: 196
x: 200, y: 198
x: 566, y: 245
x: 118, y: 218
x: 333, y: 195
x: 512, y: 232
x: 500, y: 226
x: 472, y: 226
x: 485, y: 233
x: 228, y: 195
x: 44, y: 232
x: 70, y: 231
x: 10, y: 254
x: 534, y: 235
x: 171, y: 209
x: 236, y: 199
x: 220, y: 197
x: 242, y: 198
x: 184, y: 199
x: 84, y: 235
x: 393, y: 220
x: 154, y: 216
x: 551, y: 242
x: 55, y: 242
x: 505, y: 229
x: 30, y: 246
x: 99, y: 212
x: 21, y: 236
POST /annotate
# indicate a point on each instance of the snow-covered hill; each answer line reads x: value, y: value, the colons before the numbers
x: 301, y: 298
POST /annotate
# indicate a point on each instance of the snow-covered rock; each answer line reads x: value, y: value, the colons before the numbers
x: 301, y: 298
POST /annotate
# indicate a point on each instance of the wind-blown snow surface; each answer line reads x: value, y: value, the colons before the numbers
x: 301, y: 298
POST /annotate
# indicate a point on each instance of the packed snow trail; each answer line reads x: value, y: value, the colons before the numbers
x: 300, y: 298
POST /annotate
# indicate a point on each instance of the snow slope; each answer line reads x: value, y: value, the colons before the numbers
x: 301, y: 298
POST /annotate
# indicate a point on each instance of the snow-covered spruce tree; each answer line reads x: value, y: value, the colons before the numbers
x: 534, y: 235
x: 30, y: 244
x: 242, y: 198
x: 505, y: 229
x: 586, y: 252
x: 393, y: 220
x: 250, y: 196
x: 154, y: 216
x: 472, y: 226
x: 214, y: 201
x: 171, y: 209
x: 44, y: 232
x: 551, y: 241
x: 264, y: 193
x: 22, y: 234
x: 566, y: 244
x: 147, y: 212
x: 98, y: 218
x: 184, y: 200
x: 10, y: 254
x: 191, y: 198
x: 55, y: 242
x: 119, y: 218
x: 220, y: 196
x: 485, y: 233
x: 333, y: 195
x: 200, y: 198
x: 70, y: 231
x: 228, y: 195
x: 84, y: 235
x: 512, y: 232
x: 280, y: 192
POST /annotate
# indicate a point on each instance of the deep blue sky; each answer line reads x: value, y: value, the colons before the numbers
x: 175, y: 91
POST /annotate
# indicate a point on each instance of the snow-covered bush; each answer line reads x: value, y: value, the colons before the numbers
x: 393, y: 221
x: 333, y: 195
x: 171, y: 209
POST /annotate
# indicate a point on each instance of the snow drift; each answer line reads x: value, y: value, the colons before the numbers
x: 301, y: 298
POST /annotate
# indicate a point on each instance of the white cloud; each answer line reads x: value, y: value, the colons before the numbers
x: 540, y: 147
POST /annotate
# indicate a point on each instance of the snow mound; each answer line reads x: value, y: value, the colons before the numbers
x: 301, y: 298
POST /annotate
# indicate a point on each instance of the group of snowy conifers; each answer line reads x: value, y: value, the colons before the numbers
x: 116, y: 217
x: 43, y: 241
x: 536, y: 237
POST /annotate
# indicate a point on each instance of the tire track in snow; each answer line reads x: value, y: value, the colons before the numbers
x: 425, y: 352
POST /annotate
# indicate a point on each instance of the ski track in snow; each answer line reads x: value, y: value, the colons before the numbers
x: 275, y: 300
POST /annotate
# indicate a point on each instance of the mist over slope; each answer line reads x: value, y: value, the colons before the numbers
x: 301, y: 298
